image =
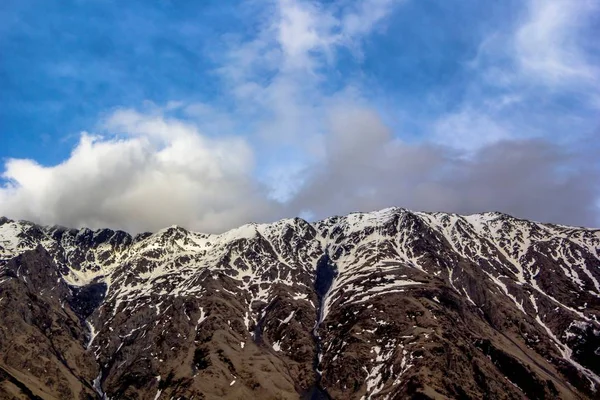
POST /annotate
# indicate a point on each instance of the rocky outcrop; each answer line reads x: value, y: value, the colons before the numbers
x: 386, y: 305
x: 42, y: 352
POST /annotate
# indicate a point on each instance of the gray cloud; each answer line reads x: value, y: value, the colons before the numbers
x: 365, y: 168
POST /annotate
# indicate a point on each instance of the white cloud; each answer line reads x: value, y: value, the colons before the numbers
x: 159, y: 172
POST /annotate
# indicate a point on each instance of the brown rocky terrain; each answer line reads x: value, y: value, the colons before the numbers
x: 386, y: 305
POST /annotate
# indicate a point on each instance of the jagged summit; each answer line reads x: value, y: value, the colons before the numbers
x: 386, y: 304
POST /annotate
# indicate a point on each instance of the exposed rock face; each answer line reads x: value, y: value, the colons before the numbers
x: 41, y: 352
x: 385, y: 305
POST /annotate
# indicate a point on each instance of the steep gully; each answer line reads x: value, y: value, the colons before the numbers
x: 326, y: 272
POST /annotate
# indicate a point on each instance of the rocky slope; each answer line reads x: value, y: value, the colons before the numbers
x: 385, y: 305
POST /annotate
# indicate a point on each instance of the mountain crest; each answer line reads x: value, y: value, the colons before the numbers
x: 387, y: 304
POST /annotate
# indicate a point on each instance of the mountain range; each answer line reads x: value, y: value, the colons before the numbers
x: 391, y: 304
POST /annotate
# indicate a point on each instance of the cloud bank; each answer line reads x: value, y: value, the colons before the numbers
x: 154, y: 171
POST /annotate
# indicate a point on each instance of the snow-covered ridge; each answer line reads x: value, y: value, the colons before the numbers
x: 389, y: 251
x: 91, y: 255
x: 169, y: 261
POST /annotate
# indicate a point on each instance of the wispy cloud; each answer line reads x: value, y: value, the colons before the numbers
x: 552, y: 46
x: 278, y: 78
x: 549, y: 44
x: 469, y: 129
x: 522, y: 76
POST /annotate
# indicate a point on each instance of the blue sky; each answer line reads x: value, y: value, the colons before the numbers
x: 287, y: 107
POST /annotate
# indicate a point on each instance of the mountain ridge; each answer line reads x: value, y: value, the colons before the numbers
x: 529, y: 290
